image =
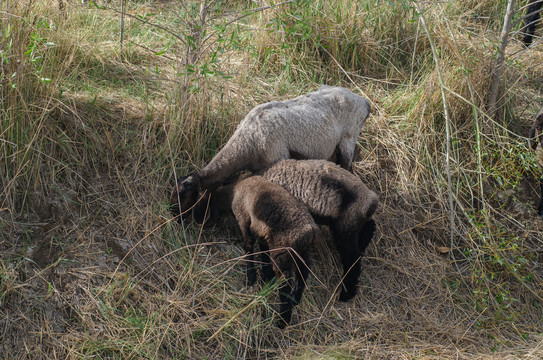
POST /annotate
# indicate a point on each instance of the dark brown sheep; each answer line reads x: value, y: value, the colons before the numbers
x: 337, y: 198
x: 279, y: 224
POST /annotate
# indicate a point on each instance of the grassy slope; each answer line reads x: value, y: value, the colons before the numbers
x: 90, y: 136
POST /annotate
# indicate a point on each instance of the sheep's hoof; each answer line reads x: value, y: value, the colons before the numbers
x: 281, y: 324
x: 283, y: 321
x: 251, y: 280
x: 347, y: 295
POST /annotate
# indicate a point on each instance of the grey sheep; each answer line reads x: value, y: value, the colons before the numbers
x: 324, y: 124
x: 337, y: 198
x: 536, y: 142
x: 279, y: 224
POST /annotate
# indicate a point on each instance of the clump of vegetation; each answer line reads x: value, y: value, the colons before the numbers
x: 93, y: 125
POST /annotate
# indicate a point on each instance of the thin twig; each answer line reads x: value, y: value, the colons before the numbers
x: 498, y: 68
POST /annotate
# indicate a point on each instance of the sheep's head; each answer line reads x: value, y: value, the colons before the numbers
x: 536, y: 131
x: 188, y: 197
x: 185, y: 194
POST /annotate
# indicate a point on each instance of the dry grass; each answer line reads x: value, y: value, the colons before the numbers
x: 92, y: 266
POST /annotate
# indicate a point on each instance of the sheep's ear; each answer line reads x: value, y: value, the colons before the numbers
x: 190, y: 183
x: 183, y: 184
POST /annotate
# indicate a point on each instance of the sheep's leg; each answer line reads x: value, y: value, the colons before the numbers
x: 289, y: 295
x: 351, y: 273
x: 302, y: 271
x: 336, y: 156
x: 540, y: 206
x: 284, y: 266
x: 248, y: 245
x: 267, y: 267
x: 286, y: 303
x: 350, y: 258
x: 365, y: 236
x: 345, y: 154
x: 531, y: 21
x: 251, y: 270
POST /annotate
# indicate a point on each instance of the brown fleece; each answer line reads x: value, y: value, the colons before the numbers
x: 266, y: 211
x: 337, y: 198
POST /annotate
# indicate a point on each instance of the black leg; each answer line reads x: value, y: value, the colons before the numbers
x: 267, y: 267
x: 302, y: 271
x: 251, y: 271
x: 286, y: 303
x: 248, y: 246
x: 341, y: 160
x: 295, y: 271
x: 531, y: 21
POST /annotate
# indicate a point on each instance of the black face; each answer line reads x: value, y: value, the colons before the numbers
x: 184, y: 195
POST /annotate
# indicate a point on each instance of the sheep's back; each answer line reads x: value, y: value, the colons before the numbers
x: 275, y: 214
x: 325, y: 188
x: 310, y: 125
